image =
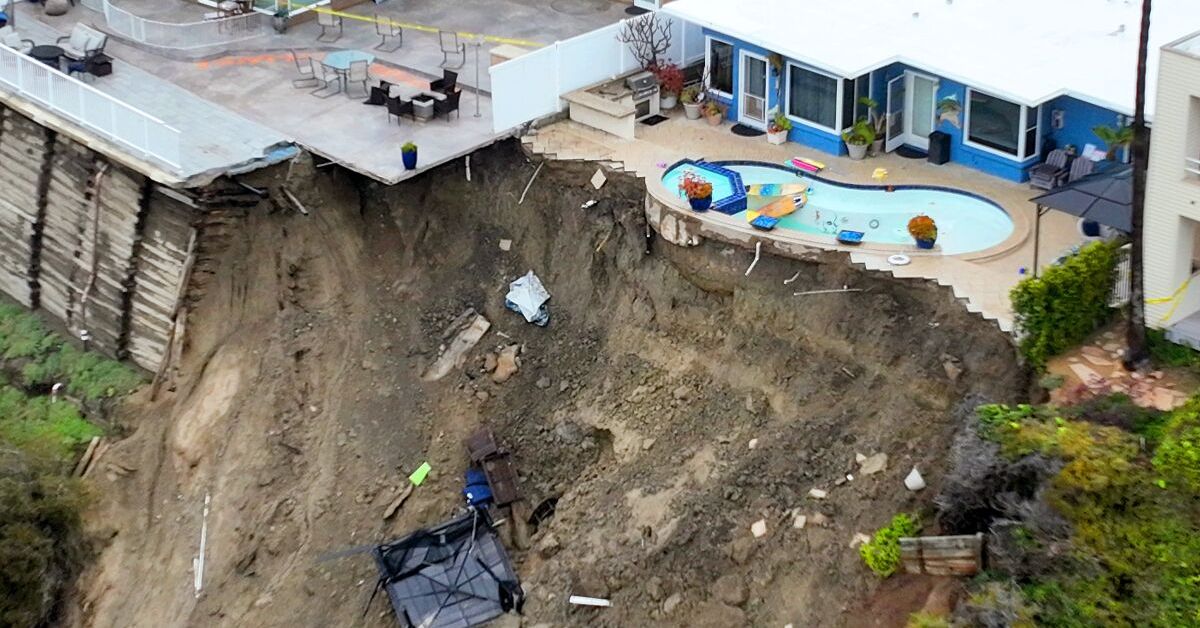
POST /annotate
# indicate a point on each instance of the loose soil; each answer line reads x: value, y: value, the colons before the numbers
x: 298, y: 407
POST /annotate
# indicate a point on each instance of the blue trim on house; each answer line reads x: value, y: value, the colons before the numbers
x: 1079, y: 117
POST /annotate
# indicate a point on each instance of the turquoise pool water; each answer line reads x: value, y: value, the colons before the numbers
x: 966, y: 223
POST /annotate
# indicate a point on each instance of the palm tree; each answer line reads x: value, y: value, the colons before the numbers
x: 1135, y: 333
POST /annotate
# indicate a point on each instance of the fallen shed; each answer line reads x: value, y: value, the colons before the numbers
x: 455, y: 575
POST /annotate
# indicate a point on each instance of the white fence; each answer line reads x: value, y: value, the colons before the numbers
x: 531, y: 86
x: 180, y: 35
x: 89, y: 107
x: 1123, y: 279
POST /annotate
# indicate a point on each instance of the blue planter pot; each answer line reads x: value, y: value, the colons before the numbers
x: 700, y: 204
x: 410, y: 160
x: 925, y: 244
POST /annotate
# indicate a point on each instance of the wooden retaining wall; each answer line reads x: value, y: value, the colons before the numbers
x: 96, y: 246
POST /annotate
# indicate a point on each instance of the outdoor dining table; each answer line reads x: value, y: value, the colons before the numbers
x: 340, y: 62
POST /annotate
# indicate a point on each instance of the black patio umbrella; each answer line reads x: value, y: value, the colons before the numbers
x: 1105, y: 197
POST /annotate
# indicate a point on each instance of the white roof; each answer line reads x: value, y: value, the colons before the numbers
x: 1028, y: 51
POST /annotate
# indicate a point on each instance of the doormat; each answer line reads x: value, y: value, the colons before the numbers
x: 747, y: 131
x: 653, y: 120
x: 632, y: 10
x: 909, y: 152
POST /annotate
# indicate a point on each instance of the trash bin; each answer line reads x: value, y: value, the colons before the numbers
x: 939, y: 148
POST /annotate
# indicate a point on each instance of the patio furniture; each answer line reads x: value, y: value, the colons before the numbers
x: 308, y: 75
x: 451, y: 46
x: 378, y: 95
x: 330, y: 80
x: 83, y: 42
x: 387, y: 29
x: 9, y: 37
x: 397, y: 106
x: 328, y: 22
x: 358, y: 73
x: 1080, y: 168
x: 1050, y: 173
x: 49, y: 55
x: 448, y: 83
x: 450, y: 104
x: 423, y: 108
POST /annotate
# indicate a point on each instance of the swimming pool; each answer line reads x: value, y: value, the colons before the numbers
x: 966, y: 222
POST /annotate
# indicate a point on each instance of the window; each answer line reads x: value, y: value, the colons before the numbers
x: 720, y: 66
x: 999, y: 125
x: 812, y: 97
x: 852, y: 92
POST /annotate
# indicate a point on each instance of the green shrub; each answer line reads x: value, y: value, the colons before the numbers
x: 55, y: 428
x: 1133, y: 557
x: 923, y: 619
x: 41, y: 541
x: 1177, y: 459
x: 1166, y: 353
x: 1068, y: 301
x: 882, y: 552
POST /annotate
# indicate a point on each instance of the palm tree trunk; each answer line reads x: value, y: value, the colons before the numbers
x: 1135, y: 335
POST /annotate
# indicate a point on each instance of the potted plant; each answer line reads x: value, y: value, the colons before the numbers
x: 1114, y: 138
x: 878, y: 124
x: 713, y: 112
x: 280, y: 20
x: 923, y: 230
x: 858, y: 138
x: 697, y: 190
x: 777, y: 129
x: 670, y: 83
x: 408, y: 153
x: 692, y: 101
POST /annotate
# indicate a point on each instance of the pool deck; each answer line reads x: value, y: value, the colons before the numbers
x: 982, y: 279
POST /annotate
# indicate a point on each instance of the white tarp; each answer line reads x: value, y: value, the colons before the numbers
x: 527, y: 295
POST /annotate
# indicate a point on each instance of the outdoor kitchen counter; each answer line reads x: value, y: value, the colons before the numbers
x: 606, y: 106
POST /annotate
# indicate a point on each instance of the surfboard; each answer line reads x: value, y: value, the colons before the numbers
x: 778, y: 208
x: 776, y: 189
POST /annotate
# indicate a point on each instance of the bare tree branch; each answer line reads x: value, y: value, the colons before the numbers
x: 648, y: 38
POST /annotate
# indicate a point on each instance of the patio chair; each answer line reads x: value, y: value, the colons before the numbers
x: 1050, y: 173
x: 387, y: 29
x: 446, y: 84
x: 1080, y: 168
x: 358, y: 74
x: 444, y: 107
x: 83, y: 43
x: 328, y: 22
x: 379, y: 95
x: 397, y: 106
x: 308, y: 75
x: 330, y: 81
x: 9, y: 37
x: 451, y: 46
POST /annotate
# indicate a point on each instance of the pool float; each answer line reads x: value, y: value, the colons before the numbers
x: 806, y: 164
x: 898, y: 260
x: 776, y: 189
x: 768, y: 216
x: 846, y: 236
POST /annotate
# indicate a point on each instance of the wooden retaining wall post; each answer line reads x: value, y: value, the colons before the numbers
x: 943, y: 555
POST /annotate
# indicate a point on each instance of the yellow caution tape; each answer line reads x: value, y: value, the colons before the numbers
x: 1174, y: 297
x: 428, y: 29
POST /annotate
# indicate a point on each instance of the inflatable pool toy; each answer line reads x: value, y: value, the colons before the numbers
x: 776, y: 189
x: 898, y: 260
x: 880, y: 174
x: 767, y: 216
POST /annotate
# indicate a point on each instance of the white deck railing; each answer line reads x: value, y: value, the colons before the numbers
x: 1122, y: 282
x: 181, y: 35
x: 89, y: 107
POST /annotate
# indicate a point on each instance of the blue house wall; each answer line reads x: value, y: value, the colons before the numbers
x: 1079, y: 117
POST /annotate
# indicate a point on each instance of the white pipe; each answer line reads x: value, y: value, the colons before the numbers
x: 199, y: 561
x: 757, y: 254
